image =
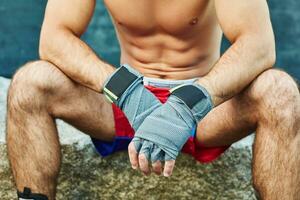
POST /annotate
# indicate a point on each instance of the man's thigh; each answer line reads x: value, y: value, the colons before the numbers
x: 77, y: 105
x: 89, y: 112
x: 228, y: 122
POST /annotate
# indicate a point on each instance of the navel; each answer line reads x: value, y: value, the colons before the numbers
x: 194, y: 21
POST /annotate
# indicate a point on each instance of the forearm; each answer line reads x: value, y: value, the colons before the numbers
x: 238, y: 67
x: 72, y: 56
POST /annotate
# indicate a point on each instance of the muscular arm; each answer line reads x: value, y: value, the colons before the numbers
x: 247, y: 26
x: 65, y: 21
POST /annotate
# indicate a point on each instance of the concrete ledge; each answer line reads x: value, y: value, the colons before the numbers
x: 85, y: 175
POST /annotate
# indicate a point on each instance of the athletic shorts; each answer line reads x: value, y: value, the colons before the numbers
x: 124, y: 132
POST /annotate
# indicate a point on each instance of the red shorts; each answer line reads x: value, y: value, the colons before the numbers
x: 125, y: 133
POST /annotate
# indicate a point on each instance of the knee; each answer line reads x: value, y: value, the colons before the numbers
x: 276, y: 93
x: 31, y: 84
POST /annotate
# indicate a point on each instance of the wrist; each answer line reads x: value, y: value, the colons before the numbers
x: 123, y: 79
x: 195, y: 98
x: 98, y: 76
x: 205, y: 83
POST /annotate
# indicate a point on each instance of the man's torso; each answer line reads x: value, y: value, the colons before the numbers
x: 168, y: 39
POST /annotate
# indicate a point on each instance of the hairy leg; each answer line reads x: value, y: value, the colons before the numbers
x: 38, y: 94
x: 276, y: 164
x: 229, y: 122
x: 270, y: 106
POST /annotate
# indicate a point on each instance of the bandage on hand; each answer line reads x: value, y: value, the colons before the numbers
x: 125, y: 89
x: 164, y: 132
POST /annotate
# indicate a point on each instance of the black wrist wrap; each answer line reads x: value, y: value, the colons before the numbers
x: 118, y: 83
x: 189, y: 94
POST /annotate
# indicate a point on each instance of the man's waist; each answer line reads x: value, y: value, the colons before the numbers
x: 166, y: 83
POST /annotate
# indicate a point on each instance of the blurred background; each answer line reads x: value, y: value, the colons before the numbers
x: 20, y: 23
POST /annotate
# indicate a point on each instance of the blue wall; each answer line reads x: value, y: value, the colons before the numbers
x: 20, y: 22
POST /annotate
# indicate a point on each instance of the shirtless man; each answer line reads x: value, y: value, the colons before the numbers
x: 163, y: 42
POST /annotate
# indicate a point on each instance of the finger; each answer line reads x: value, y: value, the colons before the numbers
x: 157, y: 167
x: 157, y: 154
x: 144, y: 157
x: 169, y: 166
x: 138, y: 142
x: 146, y: 149
x: 133, y: 155
x: 143, y: 163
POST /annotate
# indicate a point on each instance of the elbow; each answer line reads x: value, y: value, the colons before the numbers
x: 271, y: 56
x: 268, y: 55
x: 262, y: 47
x: 270, y: 59
x: 270, y: 50
x: 43, y: 52
x: 44, y: 48
x: 49, y: 43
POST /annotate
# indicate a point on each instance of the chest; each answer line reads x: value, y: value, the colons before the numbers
x: 148, y: 16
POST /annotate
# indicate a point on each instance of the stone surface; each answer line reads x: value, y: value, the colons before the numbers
x: 86, y: 175
x: 4, y: 83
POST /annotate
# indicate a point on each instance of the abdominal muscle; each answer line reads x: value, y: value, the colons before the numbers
x: 169, y: 47
x: 167, y: 62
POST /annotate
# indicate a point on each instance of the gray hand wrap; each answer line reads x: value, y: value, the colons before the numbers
x: 162, y: 135
x: 125, y: 88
